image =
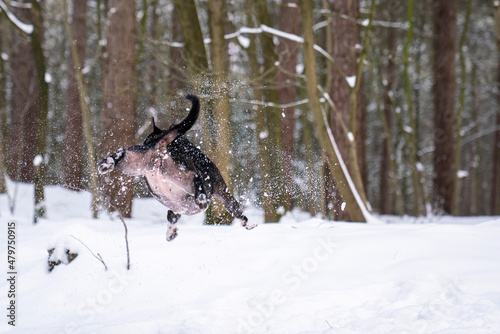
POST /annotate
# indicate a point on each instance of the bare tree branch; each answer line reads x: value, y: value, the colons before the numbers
x: 120, y: 216
x: 25, y: 28
x: 98, y: 256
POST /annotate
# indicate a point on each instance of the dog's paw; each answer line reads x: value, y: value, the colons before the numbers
x: 248, y: 225
x: 106, y: 165
x: 202, y: 201
x: 172, y: 233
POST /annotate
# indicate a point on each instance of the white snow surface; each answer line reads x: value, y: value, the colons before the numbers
x: 303, y: 275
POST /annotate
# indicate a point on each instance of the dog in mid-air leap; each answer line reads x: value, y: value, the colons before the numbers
x: 178, y: 174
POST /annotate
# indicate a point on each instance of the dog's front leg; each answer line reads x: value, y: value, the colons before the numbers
x: 133, y: 161
x: 173, y: 218
x: 108, y: 164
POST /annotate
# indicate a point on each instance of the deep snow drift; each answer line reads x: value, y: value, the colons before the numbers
x: 304, y: 275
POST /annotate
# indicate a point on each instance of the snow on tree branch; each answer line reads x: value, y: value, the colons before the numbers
x: 26, y: 28
x: 278, y: 33
x: 271, y: 104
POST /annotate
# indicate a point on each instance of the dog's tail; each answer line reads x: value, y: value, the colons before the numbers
x: 178, y: 130
x: 191, y: 118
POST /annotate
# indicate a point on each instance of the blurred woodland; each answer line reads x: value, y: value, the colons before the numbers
x: 405, y: 94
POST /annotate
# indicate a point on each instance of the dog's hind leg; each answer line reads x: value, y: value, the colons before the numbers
x: 172, y: 229
x: 200, y: 195
x: 234, y: 208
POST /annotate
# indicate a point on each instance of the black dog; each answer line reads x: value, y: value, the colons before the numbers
x: 178, y: 174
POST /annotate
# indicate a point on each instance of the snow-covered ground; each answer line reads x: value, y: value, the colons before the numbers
x: 304, y: 275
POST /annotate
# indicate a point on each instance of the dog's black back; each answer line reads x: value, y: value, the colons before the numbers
x: 184, y: 152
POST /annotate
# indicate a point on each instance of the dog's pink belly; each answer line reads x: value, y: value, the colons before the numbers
x: 175, y: 194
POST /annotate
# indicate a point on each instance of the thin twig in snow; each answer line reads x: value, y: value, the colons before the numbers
x: 126, y: 238
x: 112, y: 206
x: 98, y: 256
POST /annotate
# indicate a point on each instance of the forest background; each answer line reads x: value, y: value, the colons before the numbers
x: 405, y: 94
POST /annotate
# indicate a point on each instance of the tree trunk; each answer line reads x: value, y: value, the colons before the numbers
x: 193, y: 38
x: 387, y: 172
x: 72, y: 169
x: 177, y: 73
x: 25, y: 110
x: 287, y: 90
x: 495, y: 185
x: 474, y: 160
x: 345, y: 36
x: 43, y: 105
x: 334, y: 157
x: 259, y: 117
x: 3, y: 186
x: 153, y: 65
x: 274, y: 198
x: 3, y: 106
x: 118, y: 105
x: 85, y: 113
x: 444, y: 107
x: 361, y: 139
x: 310, y: 198
x: 495, y: 189
x: 197, y: 63
x: 217, y: 109
x: 411, y: 136
x: 222, y: 116
x: 461, y: 106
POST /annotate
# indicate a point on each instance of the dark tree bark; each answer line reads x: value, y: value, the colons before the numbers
x: 118, y: 105
x: 222, y: 115
x: 72, y: 168
x: 345, y: 36
x: 445, y: 24
x: 495, y: 190
x: 153, y: 66
x: 43, y: 105
x: 216, y: 111
x: 25, y: 110
x: 193, y: 38
x: 258, y: 119
x: 197, y: 64
x: 495, y: 185
x: 34, y: 125
x: 220, y: 95
x: 360, y: 137
x: 3, y: 106
x: 327, y: 144
x: 274, y: 197
x: 474, y: 179
x: 287, y: 90
x: 386, y: 169
x: 177, y: 74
